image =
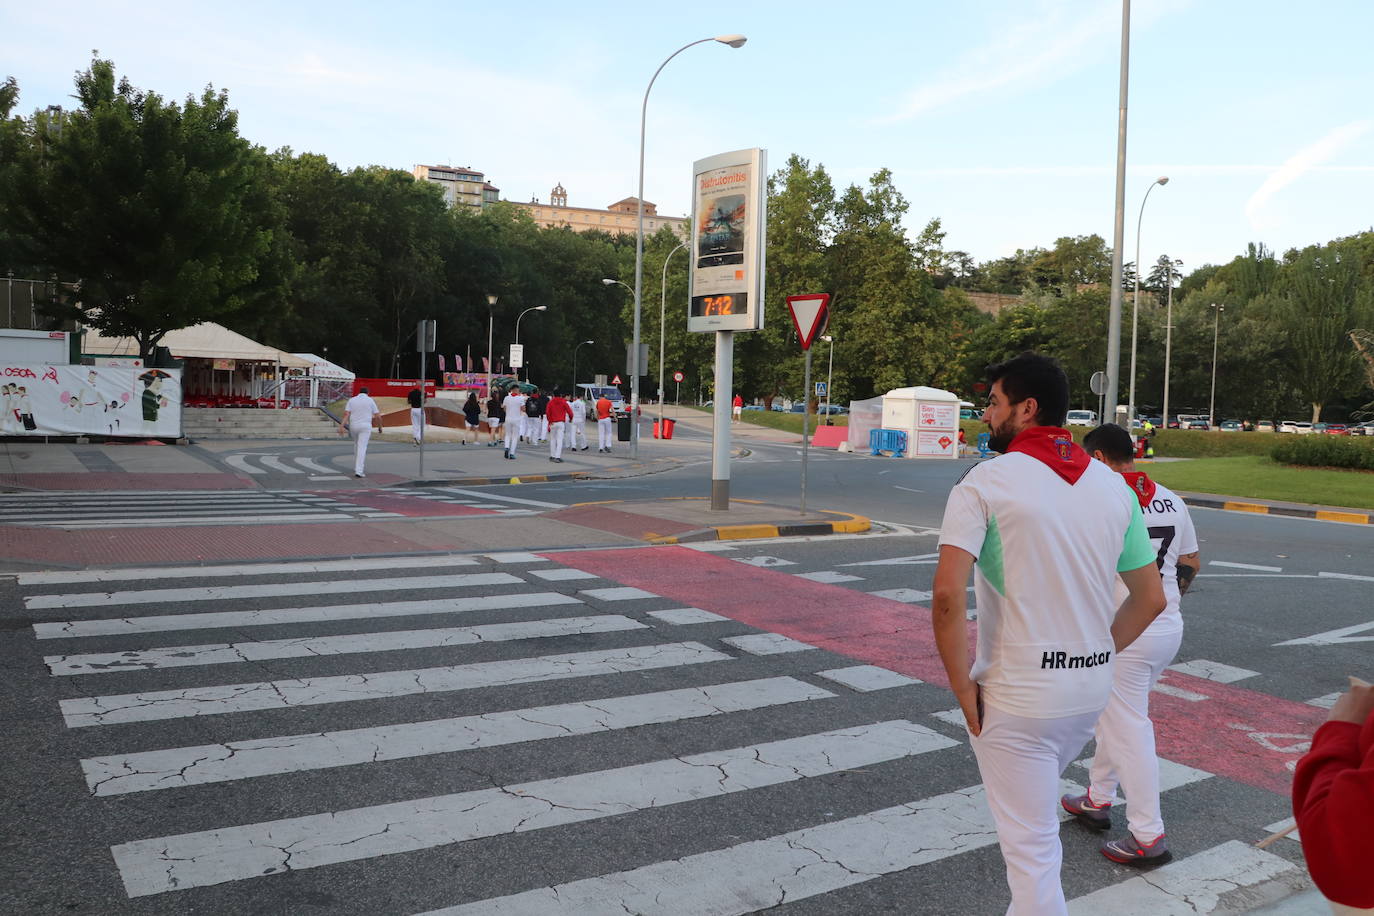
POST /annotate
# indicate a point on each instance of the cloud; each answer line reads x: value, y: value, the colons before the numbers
x: 1305, y: 160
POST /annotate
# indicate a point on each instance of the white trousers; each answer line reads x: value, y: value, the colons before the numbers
x: 1021, y: 760
x: 417, y: 423
x: 603, y: 433
x: 543, y: 428
x: 513, y: 430
x: 575, y: 435
x: 556, y: 439
x: 360, y: 436
x: 1126, y: 736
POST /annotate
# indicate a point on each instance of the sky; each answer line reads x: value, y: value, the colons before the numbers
x: 999, y: 117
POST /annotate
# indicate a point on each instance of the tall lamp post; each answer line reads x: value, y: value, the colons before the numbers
x: 537, y: 308
x: 1168, y: 336
x: 734, y: 41
x: 829, y: 373
x: 491, y: 318
x: 1216, y: 331
x: 573, y: 390
x: 662, y: 312
x: 608, y: 281
x: 1135, y: 307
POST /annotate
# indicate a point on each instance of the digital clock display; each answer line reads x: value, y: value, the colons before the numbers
x: 723, y: 304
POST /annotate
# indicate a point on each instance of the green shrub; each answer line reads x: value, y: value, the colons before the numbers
x: 1318, y: 451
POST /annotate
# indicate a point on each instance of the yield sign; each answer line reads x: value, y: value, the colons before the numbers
x: 809, y: 314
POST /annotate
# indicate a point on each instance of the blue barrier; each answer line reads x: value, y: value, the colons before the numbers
x: 983, y: 450
x: 887, y: 440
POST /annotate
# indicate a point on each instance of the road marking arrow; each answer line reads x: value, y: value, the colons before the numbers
x: 1333, y: 637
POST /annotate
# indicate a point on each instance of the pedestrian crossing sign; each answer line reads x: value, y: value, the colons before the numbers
x: 820, y: 389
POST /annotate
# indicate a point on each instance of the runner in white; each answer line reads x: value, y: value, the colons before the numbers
x: 1049, y: 530
x: 514, y: 407
x: 361, y: 413
x: 1125, y: 753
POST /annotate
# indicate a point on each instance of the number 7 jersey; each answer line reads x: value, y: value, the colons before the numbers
x: 1170, y: 528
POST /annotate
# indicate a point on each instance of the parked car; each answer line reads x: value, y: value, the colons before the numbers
x: 753, y: 407
x: 1197, y: 423
x: 1230, y: 426
x: 798, y: 408
x: 1337, y: 429
x: 1264, y: 426
x: 1364, y: 429
x: 832, y: 409
x: 1082, y: 418
x: 777, y: 407
x: 969, y: 413
x: 611, y: 393
x: 1302, y: 428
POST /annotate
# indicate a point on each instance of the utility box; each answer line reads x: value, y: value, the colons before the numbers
x: 928, y: 416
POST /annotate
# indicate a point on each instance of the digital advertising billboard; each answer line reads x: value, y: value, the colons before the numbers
x: 728, y: 238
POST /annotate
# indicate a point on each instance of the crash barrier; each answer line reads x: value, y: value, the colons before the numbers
x: 887, y: 440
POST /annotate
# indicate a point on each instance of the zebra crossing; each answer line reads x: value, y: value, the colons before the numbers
x: 504, y: 733
x: 261, y: 463
x: 76, y: 511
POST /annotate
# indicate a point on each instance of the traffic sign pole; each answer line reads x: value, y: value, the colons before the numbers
x: 806, y: 427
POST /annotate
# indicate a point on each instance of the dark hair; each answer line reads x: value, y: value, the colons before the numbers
x: 362, y: 390
x: 1111, y: 440
x: 1032, y: 375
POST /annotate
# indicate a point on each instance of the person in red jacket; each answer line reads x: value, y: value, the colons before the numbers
x: 558, y: 412
x: 1333, y: 800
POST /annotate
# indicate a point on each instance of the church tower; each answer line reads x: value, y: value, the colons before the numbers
x: 558, y: 197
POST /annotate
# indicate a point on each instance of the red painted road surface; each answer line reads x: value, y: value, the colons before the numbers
x: 1240, y: 734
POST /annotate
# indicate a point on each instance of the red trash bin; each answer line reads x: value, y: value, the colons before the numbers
x: 667, y: 431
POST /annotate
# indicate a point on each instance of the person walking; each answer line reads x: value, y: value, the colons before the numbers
x: 361, y: 414
x: 603, y: 424
x: 495, y: 415
x: 1049, y: 530
x: 557, y: 414
x: 577, y: 426
x: 417, y: 415
x: 540, y: 415
x: 1125, y: 754
x: 513, y: 406
x: 472, y: 418
x: 736, y: 409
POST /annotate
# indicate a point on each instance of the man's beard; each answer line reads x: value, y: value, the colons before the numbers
x: 999, y: 437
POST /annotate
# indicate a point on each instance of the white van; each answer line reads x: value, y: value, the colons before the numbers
x: 593, y: 393
x: 1082, y: 418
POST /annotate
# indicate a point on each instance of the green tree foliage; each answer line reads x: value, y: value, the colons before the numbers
x: 162, y: 212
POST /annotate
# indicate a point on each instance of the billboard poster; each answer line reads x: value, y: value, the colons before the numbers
x: 938, y: 416
x: 38, y: 399
x: 727, y: 242
x: 936, y: 444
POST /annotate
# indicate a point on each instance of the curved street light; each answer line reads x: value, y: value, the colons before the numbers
x: 662, y: 312
x: 829, y: 373
x: 491, y: 318
x: 1135, y: 308
x: 573, y: 390
x: 733, y: 41
x: 1168, y: 339
x: 1216, y: 332
x: 537, y: 308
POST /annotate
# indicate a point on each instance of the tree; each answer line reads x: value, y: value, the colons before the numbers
x: 161, y: 212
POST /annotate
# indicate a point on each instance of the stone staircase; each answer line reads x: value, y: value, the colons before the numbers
x: 251, y: 423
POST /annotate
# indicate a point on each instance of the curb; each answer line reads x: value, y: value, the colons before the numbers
x: 1324, y: 515
x: 848, y: 523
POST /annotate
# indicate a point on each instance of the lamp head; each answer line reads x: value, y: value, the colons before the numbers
x: 609, y: 282
x: 827, y: 338
x: 1162, y: 179
x: 588, y: 341
x: 491, y: 299
x: 734, y: 41
x: 541, y: 308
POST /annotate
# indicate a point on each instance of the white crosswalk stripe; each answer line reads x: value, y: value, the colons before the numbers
x: 351, y: 690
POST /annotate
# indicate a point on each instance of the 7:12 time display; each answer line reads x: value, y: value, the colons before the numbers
x: 725, y: 304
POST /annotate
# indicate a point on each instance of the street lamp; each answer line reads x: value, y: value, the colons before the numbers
x: 537, y: 308
x: 1168, y: 336
x: 491, y: 312
x: 733, y: 41
x: 662, y: 311
x: 573, y: 391
x: 1135, y: 307
x: 829, y: 374
x: 1216, y: 331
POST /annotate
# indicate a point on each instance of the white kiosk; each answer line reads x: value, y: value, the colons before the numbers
x: 928, y: 416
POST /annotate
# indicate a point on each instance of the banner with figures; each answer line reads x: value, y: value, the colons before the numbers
x: 37, y: 399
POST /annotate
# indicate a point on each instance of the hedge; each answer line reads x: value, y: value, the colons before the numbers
x: 1320, y: 451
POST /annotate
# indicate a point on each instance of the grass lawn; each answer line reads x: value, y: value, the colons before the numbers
x: 1262, y: 478
x: 790, y: 422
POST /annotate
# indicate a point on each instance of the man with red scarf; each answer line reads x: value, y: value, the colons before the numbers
x: 1049, y: 530
x: 1125, y: 754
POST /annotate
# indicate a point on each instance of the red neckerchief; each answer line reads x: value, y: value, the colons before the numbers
x: 1053, y: 447
x: 1141, y: 485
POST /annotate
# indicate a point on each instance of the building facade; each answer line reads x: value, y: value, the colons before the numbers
x: 461, y: 187
x: 618, y: 218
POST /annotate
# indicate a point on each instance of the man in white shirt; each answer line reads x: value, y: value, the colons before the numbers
x: 577, y: 427
x: 1125, y: 752
x: 1050, y: 530
x: 361, y: 413
x: 514, y: 406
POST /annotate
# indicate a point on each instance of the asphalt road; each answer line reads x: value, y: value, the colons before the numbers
x: 412, y: 735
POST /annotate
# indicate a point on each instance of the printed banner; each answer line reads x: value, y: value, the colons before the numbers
x: 37, y: 399
x: 939, y: 416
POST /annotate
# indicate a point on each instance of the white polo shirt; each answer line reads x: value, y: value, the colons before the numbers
x: 1171, y: 533
x: 361, y: 409
x: 514, y: 405
x: 1048, y: 554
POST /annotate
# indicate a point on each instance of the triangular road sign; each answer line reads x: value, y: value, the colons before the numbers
x: 616, y: 381
x: 809, y: 314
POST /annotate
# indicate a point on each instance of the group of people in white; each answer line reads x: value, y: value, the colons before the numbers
x: 511, y: 418
x: 18, y: 411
